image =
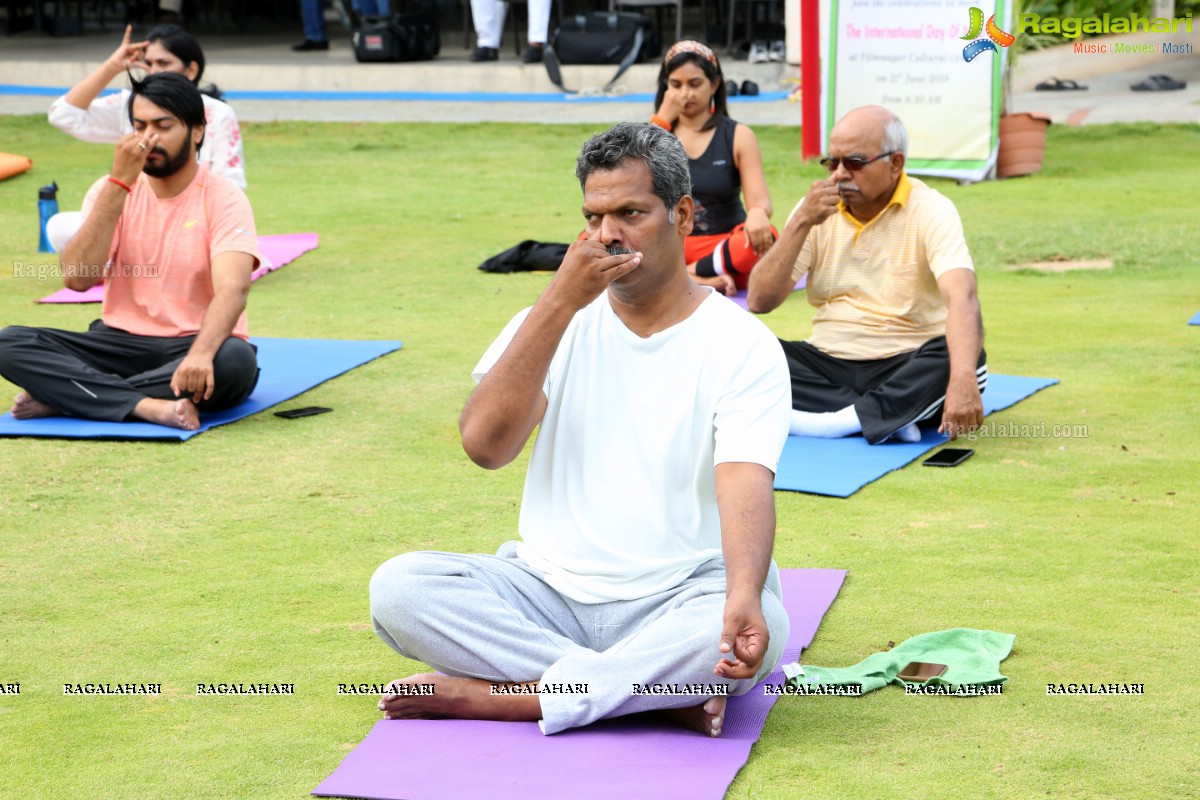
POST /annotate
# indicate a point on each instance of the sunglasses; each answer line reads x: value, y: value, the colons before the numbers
x: 853, y: 163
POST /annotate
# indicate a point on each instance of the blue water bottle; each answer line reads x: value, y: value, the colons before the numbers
x: 47, y: 208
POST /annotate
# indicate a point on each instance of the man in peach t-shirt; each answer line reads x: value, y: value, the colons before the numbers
x: 175, y: 246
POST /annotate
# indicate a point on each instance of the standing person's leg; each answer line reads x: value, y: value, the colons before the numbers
x: 666, y: 640
x: 372, y: 8
x: 488, y: 16
x: 912, y: 391
x: 537, y: 31
x: 312, y: 14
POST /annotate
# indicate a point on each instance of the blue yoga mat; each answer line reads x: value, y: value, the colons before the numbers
x: 840, y: 467
x: 1195, y: 320
x: 289, y: 367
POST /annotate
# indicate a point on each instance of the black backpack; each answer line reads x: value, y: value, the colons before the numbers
x: 602, y: 37
x: 400, y: 37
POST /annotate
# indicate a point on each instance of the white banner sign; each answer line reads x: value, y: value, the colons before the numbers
x: 937, y: 64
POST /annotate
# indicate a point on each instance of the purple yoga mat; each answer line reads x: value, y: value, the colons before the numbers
x: 629, y: 757
x: 275, y: 250
x: 740, y: 297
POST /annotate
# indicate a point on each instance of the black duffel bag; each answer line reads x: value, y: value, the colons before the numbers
x: 602, y: 37
x: 526, y: 257
x: 400, y: 37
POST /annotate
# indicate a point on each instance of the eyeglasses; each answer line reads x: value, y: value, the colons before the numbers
x: 853, y: 163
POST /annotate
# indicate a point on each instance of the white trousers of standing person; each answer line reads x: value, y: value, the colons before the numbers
x: 489, y: 21
x: 495, y: 618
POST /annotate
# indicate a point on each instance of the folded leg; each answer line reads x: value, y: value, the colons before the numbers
x: 77, y: 374
x: 474, y: 616
x: 235, y: 373
x: 912, y: 392
x: 670, y: 638
x: 820, y: 383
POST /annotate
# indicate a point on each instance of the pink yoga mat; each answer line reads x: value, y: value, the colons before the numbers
x: 635, y: 757
x: 275, y: 251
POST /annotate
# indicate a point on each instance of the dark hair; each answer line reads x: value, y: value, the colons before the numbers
x: 183, y: 46
x: 657, y: 149
x: 174, y: 93
x: 711, y: 70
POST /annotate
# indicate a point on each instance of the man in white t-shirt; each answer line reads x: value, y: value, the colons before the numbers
x: 643, y: 580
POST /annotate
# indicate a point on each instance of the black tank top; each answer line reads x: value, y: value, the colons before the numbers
x: 716, y: 185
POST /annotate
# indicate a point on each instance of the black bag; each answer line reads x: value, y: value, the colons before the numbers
x: 400, y: 37
x: 602, y: 37
x: 527, y: 256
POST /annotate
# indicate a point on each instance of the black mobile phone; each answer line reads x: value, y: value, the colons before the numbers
x: 948, y: 457
x: 308, y: 411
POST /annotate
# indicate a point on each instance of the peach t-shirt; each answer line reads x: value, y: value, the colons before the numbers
x: 159, y: 281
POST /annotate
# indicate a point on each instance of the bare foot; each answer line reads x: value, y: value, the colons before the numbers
x: 708, y: 717
x: 180, y: 413
x: 722, y: 283
x: 25, y: 407
x: 434, y: 696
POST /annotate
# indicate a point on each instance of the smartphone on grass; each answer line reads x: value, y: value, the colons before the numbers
x: 948, y: 457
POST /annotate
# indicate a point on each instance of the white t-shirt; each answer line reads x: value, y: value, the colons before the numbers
x: 620, y: 499
x: 106, y: 120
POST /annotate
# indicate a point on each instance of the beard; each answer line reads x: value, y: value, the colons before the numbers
x: 171, y: 162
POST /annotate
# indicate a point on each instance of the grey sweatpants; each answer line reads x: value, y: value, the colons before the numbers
x: 493, y: 617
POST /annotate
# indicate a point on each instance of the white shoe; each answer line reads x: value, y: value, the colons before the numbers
x: 778, y: 51
x: 760, y: 53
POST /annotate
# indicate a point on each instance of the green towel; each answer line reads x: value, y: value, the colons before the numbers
x: 972, y: 658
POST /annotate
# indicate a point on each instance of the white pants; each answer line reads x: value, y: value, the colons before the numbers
x: 489, y: 21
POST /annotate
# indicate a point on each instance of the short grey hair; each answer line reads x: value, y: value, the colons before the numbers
x: 895, y: 136
x: 659, y: 150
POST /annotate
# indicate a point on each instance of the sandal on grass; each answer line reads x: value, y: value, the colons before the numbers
x: 1055, y: 85
x: 1159, y: 83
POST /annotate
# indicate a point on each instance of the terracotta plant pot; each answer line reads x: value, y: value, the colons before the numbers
x: 1022, y: 144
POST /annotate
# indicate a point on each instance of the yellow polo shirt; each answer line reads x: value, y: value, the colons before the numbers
x: 875, y: 285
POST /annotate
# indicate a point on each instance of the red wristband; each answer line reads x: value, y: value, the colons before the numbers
x: 120, y: 183
x: 660, y: 122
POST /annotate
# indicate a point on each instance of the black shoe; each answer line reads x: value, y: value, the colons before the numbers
x: 749, y: 88
x: 309, y: 45
x: 731, y: 89
x: 485, y: 54
x: 534, y: 54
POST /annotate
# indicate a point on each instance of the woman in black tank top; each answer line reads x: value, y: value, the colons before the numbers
x: 726, y: 165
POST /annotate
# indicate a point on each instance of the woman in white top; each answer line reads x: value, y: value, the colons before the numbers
x: 87, y: 116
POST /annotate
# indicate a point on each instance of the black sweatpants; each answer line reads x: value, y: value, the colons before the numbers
x: 104, y: 372
x: 887, y: 393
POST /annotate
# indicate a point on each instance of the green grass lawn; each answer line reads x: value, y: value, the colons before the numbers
x: 244, y: 554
